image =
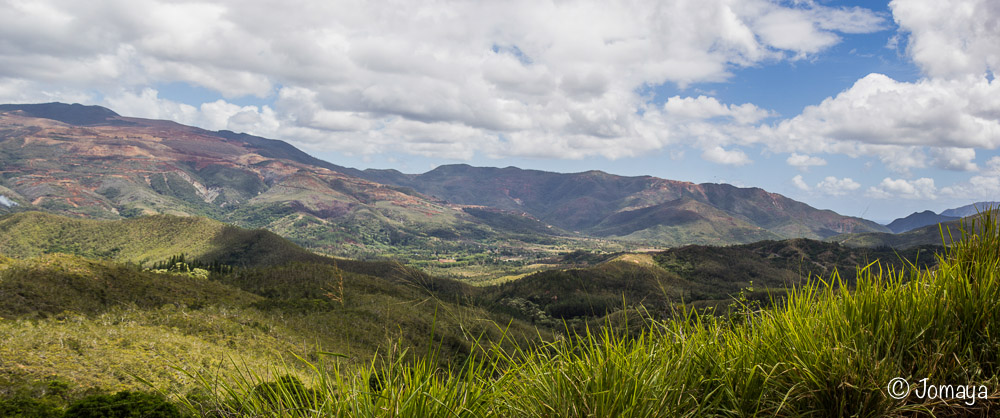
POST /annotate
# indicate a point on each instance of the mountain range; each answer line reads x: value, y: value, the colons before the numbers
x: 88, y: 161
x: 633, y: 208
x: 920, y: 219
x: 935, y: 234
x: 970, y: 210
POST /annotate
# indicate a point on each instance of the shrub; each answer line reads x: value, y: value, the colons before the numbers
x: 287, y: 393
x: 22, y: 407
x: 124, y: 404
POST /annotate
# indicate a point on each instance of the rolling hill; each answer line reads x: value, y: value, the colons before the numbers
x: 74, y: 311
x: 146, y: 240
x: 77, y: 308
x: 695, y: 275
x: 930, y: 235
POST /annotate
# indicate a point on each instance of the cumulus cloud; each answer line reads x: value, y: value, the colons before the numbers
x: 955, y: 159
x: 938, y: 121
x: 831, y: 186
x: 523, y: 78
x: 536, y: 79
x: 215, y: 115
x: 703, y: 107
x: 28, y: 91
x: 800, y: 183
x: 951, y: 38
x: 704, y: 123
x: 983, y: 186
x: 804, y: 161
x: 922, y: 188
x: 837, y: 187
x: 878, y: 110
x: 720, y: 155
x: 992, y: 167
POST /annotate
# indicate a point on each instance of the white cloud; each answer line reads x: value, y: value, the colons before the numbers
x: 992, y: 167
x: 216, y: 115
x: 897, y: 122
x: 7, y: 202
x: 951, y: 38
x: 523, y: 78
x: 922, y: 188
x: 983, y: 186
x: 879, y: 110
x: 938, y: 121
x: 27, y: 91
x: 804, y: 161
x: 792, y: 30
x: 703, y: 107
x: 148, y: 104
x: 956, y: 159
x: 898, y: 158
x: 831, y: 186
x: 810, y: 30
x: 848, y: 20
x: 801, y: 184
x: 720, y: 155
x: 837, y: 187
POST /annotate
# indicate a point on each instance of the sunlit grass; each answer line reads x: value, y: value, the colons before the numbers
x: 824, y: 350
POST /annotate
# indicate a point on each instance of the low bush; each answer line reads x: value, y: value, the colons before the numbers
x: 124, y: 404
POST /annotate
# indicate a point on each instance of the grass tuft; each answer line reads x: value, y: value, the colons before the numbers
x: 826, y: 350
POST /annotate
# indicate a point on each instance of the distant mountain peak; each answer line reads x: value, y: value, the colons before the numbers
x: 73, y: 114
x: 917, y: 220
x: 969, y: 210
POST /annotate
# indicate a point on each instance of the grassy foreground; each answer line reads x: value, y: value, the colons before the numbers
x: 822, y: 352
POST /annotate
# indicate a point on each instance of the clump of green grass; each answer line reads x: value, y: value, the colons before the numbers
x: 825, y: 350
x: 395, y: 387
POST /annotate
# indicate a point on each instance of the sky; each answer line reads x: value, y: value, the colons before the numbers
x: 871, y: 109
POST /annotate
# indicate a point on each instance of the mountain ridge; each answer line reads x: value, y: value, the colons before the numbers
x: 969, y: 210
x: 917, y: 220
x: 921, y: 219
x: 582, y: 201
x: 89, y: 161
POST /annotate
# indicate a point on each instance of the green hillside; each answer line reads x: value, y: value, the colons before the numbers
x: 926, y: 235
x: 55, y: 283
x: 877, y: 350
x: 144, y: 240
x: 697, y: 276
x: 109, y: 324
x: 388, y: 340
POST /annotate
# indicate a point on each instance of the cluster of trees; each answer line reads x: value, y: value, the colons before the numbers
x: 181, y: 264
